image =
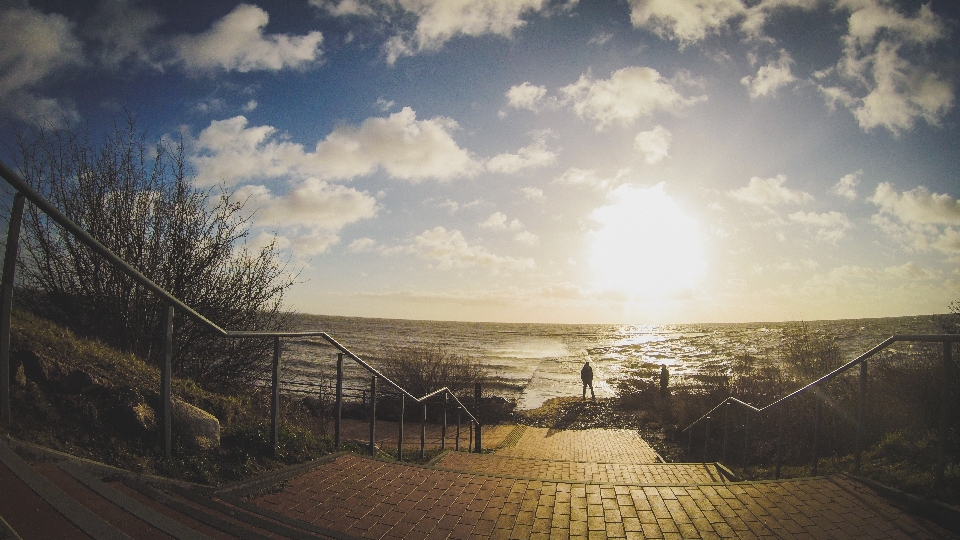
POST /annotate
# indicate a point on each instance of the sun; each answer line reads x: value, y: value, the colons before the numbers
x: 646, y: 246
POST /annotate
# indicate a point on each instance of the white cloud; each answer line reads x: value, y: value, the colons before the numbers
x: 847, y: 186
x: 767, y: 192
x: 362, y: 245
x: 526, y: 96
x: 402, y: 146
x: 532, y: 193
x: 311, y: 214
x: 236, y: 42
x: 629, y: 94
x: 877, y: 83
x: 919, y: 219
x: 655, y: 144
x: 770, y: 77
x: 34, y: 47
x: 600, y: 39
x: 498, y: 221
x: 438, y: 21
x: 581, y: 177
x: 830, y: 226
x: 449, y: 249
x: 534, y: 155
x: 527, y: 237
x: 344, y: 7
x: 686, y: 21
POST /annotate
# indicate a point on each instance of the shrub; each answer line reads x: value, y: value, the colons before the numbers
x: 425, y: 368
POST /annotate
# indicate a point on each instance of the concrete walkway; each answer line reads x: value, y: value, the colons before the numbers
x: 543, y: 483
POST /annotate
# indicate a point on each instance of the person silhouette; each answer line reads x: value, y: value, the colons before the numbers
x: 586, y: 375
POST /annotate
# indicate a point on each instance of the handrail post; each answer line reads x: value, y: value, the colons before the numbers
x: 443, y: 428
x: 275, y: 400
x: 423, y: 431
x: 478, y: 393
x: 457, y: 445
x: 945, y: 395
x: 861, y: 414
x: 338, y: 407
x: 783, y: 407
x: 689, y: 440
x: 706, y: 438
x: 726, y: 429
x: 815, y: 468
x: 470, y: 443
x: 166, y: 404
x: 403, y: 405
x: 6, y: 290
x: 373, y: 416
x: 746, y: 444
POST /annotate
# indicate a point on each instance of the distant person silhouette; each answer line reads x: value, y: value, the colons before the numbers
x: 586, y: 375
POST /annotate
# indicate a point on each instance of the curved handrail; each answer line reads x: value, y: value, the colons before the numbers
x: 86, y: 238
x: 932, y: 338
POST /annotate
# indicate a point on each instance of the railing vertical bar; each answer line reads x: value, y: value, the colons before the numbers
x: 403, y: 406
x: 945, y: 395
x: 6, y: 311
x: 861, y: 416
x: 275, y: 400
x: 477, y: 395
x: 746, y: 444
x: 338, y: 407
x: 165, y: 383
x: 443, y: 428
x: 706, y: 438
x: 815, y: 468
x: 726, y: 430
x: 373, y: 416
x: 783, y: 408
x: 423, y: 431
x: 470, y: 445
x: 457, y: 445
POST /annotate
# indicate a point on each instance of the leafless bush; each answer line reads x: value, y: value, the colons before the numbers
x: 137, y: 199
x: 425, y: 368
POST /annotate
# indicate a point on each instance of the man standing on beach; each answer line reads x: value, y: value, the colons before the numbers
x: 586, y: 375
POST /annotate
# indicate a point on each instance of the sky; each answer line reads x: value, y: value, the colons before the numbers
x: 632, y: 161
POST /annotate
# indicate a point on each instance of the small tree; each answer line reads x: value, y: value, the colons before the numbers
x: 425, y: 368
x: 808, y: 354
x: 138, y: 200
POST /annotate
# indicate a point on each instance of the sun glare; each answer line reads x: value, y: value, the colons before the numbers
x: 645, y: 246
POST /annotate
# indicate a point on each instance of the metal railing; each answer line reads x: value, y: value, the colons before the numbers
x: 25, y: 191
x: 781, y: 405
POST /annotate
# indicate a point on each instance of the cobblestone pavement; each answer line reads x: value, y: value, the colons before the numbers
x: 386, y: 435
x: 579, y: 471
x: 377, y: 499
x: 593, y: 445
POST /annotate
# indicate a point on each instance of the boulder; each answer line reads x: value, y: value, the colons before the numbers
x: 195, y: 427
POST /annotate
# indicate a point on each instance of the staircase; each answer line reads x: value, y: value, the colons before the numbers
x: 538, y: 483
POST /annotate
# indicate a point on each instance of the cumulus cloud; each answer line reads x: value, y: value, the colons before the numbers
x: 629, y: 94
x: 34, y: 47
x: 770, y: 77
x: 768, y: 192
x: 526, y: 96
x: 438, y: 21
x: 692, y: 21
x: 532, y: 193
x: 498, y: 221
x: 449, y: 249
x: 581, y: 177
x: 344, y: 7
x: 406, y: 148
x: 654, y: 144
x: 362, y: 245
x: 534, y: 155
x: 830, y: 226
x: 527, y: 237
x: 311, y: 214
x: 877, y: 82
x: 236, y: 42
x: 847, y: 186
x: 919, y: 219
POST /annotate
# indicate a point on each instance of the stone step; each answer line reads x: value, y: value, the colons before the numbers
x: 587, y: 472
x: 377, y: 499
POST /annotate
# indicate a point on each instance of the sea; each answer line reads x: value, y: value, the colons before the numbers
x: 530, y: 363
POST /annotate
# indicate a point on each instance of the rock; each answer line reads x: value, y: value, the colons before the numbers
x: 39, y: 368
x: 195, y: 427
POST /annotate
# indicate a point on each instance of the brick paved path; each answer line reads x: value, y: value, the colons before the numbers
x: 379, y: 499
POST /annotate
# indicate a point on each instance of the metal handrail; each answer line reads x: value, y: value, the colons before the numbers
x: 25, y: 189
x: 931, y: 338
x: 945, y: 339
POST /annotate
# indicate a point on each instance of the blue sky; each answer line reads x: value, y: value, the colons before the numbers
x: 636, y: 161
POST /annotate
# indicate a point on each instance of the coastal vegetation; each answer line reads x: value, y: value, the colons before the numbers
x: 138, y: 199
